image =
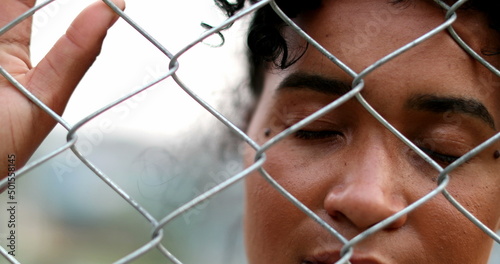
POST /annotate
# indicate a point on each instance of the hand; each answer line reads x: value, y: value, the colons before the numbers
x: 23, y: 126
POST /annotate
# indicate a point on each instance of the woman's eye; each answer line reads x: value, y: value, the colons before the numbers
x: 312, y: 135
x: 440, y: 157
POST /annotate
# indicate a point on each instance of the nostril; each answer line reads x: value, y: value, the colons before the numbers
x: 397, y: 223
x: 338, y: 216
x: 394, y: 223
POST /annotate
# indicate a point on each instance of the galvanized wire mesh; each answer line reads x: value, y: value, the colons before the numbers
x: 158, y: 225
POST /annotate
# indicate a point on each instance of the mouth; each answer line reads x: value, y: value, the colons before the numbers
x: 334, y: 257
x: 351, y: 261
x: 322, y: 258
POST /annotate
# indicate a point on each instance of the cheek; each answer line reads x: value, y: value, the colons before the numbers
x: 442, y: 226
x: 264, y: 202
x: 443, y: 230
x: 478, y: 191
x: 270, y: 218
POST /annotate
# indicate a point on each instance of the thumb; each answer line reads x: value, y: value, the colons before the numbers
x: 55, y: 77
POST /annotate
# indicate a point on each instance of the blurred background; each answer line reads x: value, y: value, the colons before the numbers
x: 160, y: 146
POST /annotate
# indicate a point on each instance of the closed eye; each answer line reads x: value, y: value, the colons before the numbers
x: 440, y: 157
x: 313, y: 135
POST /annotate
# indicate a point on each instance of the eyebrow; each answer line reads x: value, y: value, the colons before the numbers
x: 442, y: 104
x: 427, y: 102
x: 318, y: 83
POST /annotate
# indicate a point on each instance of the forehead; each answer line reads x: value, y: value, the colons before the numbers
x: 361, y: 32
x: 371, y: 29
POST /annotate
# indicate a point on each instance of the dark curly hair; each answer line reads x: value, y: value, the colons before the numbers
x: 266, y: 43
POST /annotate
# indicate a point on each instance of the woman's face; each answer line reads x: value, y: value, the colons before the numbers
x: 350, y: 170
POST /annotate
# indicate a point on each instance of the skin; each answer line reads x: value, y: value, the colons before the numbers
x: 53, y: 80
x: 350, y: 170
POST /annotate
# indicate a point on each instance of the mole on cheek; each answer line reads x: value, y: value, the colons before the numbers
x: 496, y: 154
x: 267, y: 133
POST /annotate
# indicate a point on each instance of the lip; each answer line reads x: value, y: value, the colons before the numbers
x: 331, y: 257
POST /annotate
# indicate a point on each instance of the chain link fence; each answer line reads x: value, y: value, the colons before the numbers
x: 158, y: 167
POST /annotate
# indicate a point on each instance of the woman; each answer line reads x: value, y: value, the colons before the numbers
x: 345, y: 166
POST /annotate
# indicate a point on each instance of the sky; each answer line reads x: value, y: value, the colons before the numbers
x: 128, y: 62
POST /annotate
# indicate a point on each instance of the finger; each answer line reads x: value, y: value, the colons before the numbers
x: 15, y: 41
x: 55, y: 77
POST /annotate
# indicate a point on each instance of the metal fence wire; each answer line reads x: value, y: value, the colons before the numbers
x: 159, y: 225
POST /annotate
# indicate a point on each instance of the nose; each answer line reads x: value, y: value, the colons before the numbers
x: 369, y: 190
